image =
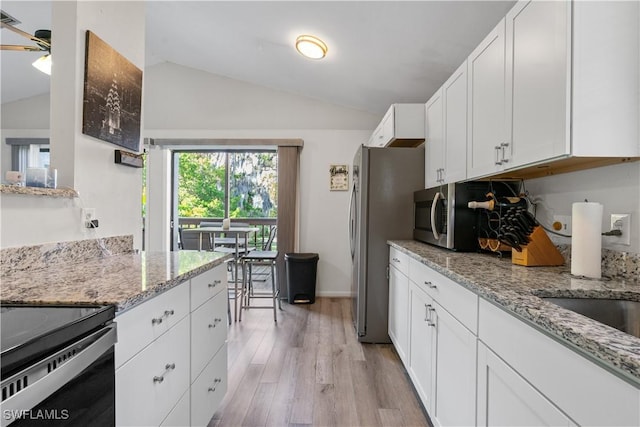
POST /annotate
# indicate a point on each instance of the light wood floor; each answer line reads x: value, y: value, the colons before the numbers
x: 310, y: 370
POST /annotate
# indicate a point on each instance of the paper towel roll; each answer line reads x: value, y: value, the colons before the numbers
x: 226, y: 222
x: 586, y: 239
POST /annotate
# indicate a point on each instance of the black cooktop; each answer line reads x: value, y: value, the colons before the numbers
x: 28, y: 332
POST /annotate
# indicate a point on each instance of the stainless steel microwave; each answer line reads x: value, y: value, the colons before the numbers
x: 442, y: 218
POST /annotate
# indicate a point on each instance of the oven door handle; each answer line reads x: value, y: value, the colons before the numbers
x: 36, y: 392
x: 434, y: 230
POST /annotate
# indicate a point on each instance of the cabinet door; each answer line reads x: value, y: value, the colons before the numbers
x: 506, y: 399
x: 151, y: 383
x: 421, y: 345
x: 486, y: 68
x: 208, y: 332
x: 399, y: 311
x: 538, y: 75
x: 454, y: 94
x: 434, y: 141
x: 208, y: 389
x: 455, y: 371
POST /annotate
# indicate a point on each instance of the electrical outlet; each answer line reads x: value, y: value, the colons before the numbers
x: 86, y: 216
x: 562, y: 224
x: 621, y: 222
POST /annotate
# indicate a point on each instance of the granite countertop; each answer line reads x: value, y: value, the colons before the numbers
x: 124, y: 280
x: 517, y: 290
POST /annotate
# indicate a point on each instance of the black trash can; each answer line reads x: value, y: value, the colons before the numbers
x: 301, y: 270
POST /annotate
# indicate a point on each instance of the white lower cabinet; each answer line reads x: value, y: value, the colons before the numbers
x: 209, y: 388
x: 422, y: 343
x: 473, y: 363
x: 443, y: 362
x: 171, y: 355
x: 398, y: 313
x: 455, y: 371
x: 507, y: 399
x: 150, y: 384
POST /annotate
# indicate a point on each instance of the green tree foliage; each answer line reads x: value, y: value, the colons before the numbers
x: 201, y: 185
x: 253, y: 185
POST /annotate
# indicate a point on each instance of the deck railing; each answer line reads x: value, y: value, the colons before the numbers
x: 258, y: 239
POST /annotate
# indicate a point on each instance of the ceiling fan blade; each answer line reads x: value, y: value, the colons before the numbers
x: 43, y: 42
x: 19, y: 47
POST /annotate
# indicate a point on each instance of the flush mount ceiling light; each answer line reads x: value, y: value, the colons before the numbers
x: 311, y: 47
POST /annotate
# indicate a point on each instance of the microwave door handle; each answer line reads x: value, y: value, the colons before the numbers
x: 436, y: 235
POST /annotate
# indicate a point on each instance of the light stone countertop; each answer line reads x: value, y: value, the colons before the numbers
x: 517, y: 290
x: 124, y: 280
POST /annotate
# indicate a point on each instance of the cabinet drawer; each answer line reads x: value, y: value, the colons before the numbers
x: 150, y: 384
x: 208, y: 332
x: 399, y: 260
x: 207, y: 285
x: 209, y: 389
x: 179, y: 415
x: 139, y: 326
x: 460, y: 302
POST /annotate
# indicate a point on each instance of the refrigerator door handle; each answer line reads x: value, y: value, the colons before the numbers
x: 352, y: 225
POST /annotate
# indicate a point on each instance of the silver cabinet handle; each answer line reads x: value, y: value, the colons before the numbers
x: 158, y: 320
x: 426, y: 313
x: 497, y: 150
x: 430, y: 284
x: 168, y: 367
x: 215, y: 322
x: 214, y: 284
x: 503, y: 146
x: 396, y: 259
x: 430, y: 322
x: 215, y: 382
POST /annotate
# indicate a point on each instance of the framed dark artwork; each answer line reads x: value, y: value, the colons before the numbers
x: 112, y: 95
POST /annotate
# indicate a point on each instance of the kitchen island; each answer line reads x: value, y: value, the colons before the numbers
x: 517, y: 357
x: 171, y: 317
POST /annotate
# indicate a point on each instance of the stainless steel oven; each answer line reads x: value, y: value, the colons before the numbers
x: 57, y: 365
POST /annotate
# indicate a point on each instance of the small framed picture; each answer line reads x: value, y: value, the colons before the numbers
x: 339, y: 177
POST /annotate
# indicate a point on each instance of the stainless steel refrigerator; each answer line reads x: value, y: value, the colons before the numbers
x: 381, y: 209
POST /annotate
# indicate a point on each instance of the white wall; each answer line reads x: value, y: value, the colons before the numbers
x: 616, y: 187
x: 84, y: 163
x: 186, y: 103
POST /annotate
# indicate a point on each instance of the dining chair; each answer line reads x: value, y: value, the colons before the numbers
x: 265, y: 257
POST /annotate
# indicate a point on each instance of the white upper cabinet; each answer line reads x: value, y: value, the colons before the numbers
x: 537, y: 81
x: 401, y: 126
x: 544, y: 85
x: 434, y: 141
x: 487, y: 104
x: 446, y: 131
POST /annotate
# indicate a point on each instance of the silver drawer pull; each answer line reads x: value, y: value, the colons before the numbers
x: 396, y: 260
x: 168, y: 367
x: 430, y: 284
x: 216, y: 381
x: 158, y: 320
x: 215, y: 322
x: 214, y: 284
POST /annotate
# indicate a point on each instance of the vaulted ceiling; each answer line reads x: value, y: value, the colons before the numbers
x: 380, y: 52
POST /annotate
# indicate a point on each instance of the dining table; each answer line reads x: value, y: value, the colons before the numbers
x: 237, y: 233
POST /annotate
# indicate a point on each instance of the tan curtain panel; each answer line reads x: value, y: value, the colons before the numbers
x: 288, y: 159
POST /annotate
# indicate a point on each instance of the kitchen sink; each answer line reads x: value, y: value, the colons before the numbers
x: 623, y: 315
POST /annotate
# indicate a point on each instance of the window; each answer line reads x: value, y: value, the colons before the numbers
x: 227, y: 184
